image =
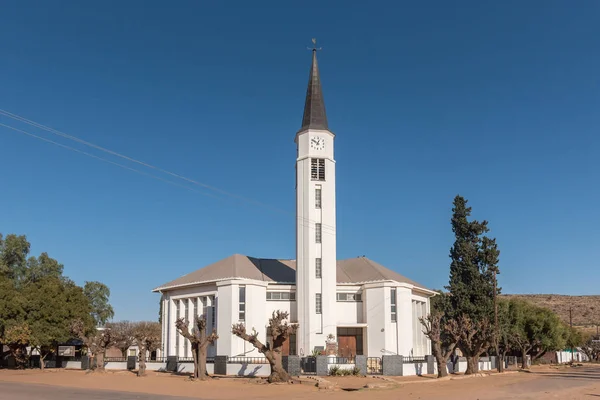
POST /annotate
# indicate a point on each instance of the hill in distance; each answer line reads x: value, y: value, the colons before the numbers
x: 585, y: 309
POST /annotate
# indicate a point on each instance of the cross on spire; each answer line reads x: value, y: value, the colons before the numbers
x: 314, y: 107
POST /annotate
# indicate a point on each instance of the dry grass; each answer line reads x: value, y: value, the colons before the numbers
x: 585, y: 309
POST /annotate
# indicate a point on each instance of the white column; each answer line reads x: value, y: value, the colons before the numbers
x: 171, y: 331
x: 405, y: 321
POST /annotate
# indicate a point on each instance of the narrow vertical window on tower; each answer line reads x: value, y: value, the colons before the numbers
x: 393, y: 303
x: 318, y: 232
x: 318, y: 268
x: 318, y: 197
x: 242, y: 316
x: 318, y: 306
x: 317, y: 169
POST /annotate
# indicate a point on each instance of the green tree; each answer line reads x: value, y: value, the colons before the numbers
x: 471, y: 286
x: 535, y: 330
x: 51, y: 304
x: 13, y: 256
x: 98, y: 294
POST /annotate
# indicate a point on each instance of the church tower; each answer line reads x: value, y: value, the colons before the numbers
x: 315, y: 222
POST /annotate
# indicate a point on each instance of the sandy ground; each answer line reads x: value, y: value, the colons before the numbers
x: 541, y: 383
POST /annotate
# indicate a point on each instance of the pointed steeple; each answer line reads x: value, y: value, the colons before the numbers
x: 314, y: 107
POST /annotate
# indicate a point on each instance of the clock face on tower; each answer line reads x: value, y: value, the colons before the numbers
x: 317, y: 143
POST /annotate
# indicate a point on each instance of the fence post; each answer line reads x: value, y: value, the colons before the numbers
x: 172, y: 363
x: 131, y: 362
x: 221, y: 365
x: 85, y: 362
x: 430, y: 364
x: 392, y: 365
x: 292, y: 365
x: 322, y: 367
x: 361, y: 364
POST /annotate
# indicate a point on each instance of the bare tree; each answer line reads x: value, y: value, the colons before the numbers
x: 96, y: 342
x: 122, y: 333
x: 148, y: 339
x: 278, y: 332
x: 199, y: 341
x: 442, y: 343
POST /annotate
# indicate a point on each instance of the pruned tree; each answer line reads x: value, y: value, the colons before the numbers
x: 122, y: 334
x: 278, y: 331
x: 436, y: 329
x: 472, y: 284
x: 95, y: 340
x: 199, y: 341
x: 148, y: 339
x: 474, y: 336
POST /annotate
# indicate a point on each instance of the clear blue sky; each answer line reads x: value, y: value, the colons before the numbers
x: 496, y: 101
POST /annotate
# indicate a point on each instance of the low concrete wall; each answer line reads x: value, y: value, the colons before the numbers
x: 410, y: 369
x: 116, y: 365
x: 73, y: 365
x: 248, y: 369
x: 348, y: 367
x: 184, y: 368
x: 154, y: 366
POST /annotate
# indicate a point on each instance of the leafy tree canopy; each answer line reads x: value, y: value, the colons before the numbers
x: 97, y: 294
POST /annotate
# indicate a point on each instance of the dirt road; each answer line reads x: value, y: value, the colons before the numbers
x: 542, y: 383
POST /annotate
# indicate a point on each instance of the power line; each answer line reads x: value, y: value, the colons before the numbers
x: 324, y: 227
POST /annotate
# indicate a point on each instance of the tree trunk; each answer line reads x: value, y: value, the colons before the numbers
x: 278, y: 373
x: 202, y: 374
x: 501, y: 356
x: 142, y: 367
x: 442, y: 366
x: 524, y: 359
x: 472, y: 364
x: 100, y: 361
x: 196, y: 355
x: 442, y: 362
x: 42, y: 358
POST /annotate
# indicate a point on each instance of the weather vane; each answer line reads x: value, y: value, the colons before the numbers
x: 314, y: 47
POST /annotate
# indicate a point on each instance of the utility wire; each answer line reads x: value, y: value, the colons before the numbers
x: 324, y: 227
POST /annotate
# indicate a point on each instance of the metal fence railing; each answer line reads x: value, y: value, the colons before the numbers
x: 156, y: 360
x: 247, y: 360
x: 374, y: 366
x: 340, y: 360
x: 413, y: 359
x: 115, y: 359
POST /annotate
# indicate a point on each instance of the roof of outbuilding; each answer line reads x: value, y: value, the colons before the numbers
x: 350, y: 271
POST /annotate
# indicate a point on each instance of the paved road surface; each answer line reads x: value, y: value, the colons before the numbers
x: 29, y: 391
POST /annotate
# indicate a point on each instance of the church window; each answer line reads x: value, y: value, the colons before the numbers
x: 349, y: 297
x: 242, y: 316
x: 317, y: 169
x: 318, y: 264
x: 318, y: 198
x: 318, y: 305
x: 195, y: 300
x: 281, y: 296
x: 393, y: 303
x: 318, y: 232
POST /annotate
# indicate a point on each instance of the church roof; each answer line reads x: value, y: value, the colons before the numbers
x: 357, y: 270
x: 314, y: 107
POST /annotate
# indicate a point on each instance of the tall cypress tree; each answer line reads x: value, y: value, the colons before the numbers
x: 474, y: 262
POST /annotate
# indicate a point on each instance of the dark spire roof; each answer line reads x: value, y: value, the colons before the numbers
x: 314, y: 107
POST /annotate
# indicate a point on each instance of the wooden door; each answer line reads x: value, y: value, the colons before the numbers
x: 286, y: 348
x: 347, y: 346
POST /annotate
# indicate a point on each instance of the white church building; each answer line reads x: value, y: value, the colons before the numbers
x: 367, y: 308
